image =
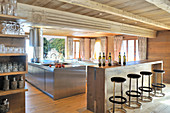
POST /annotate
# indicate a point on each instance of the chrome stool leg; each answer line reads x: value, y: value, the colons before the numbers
x: 113, y: 96
x: 158, y: 85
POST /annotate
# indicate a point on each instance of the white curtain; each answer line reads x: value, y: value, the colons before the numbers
x: 92, y: 48
x: 70, y: 48
x: 82, y: 50
x: 117, y: 46
x: 142, y: 45
x: 103, y: 44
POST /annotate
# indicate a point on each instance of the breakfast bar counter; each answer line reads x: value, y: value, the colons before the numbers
x: 100, y: 87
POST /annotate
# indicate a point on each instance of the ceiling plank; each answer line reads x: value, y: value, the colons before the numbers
x: 163, y: 4
x: 41, y: 2
x: 114, y: 11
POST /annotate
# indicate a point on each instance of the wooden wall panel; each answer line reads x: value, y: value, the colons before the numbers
x: 159, y: 48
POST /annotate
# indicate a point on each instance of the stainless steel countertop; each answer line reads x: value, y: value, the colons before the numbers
x: 52, y: 68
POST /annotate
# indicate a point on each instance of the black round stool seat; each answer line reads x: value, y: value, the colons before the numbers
x: 146, y: 89
x: 118, y: 79
x: 118, y: 102
x: 138, y: 94
x: 158, y: 85
x: 159, y: 71
x: 145, y: 73
x: 133, y: 76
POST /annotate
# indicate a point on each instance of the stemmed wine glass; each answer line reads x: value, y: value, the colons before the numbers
x: 4, y: 30
x: 14, y: 7
x: 22, y: 32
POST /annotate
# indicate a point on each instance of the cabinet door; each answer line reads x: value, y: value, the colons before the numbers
x: 40, y: 78
x: 49, y: 79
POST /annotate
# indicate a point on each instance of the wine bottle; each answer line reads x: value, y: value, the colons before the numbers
x: 6, y: 83
x: 119, y: 58
x: 124, y: 59
x: 110, y: 60
x: 14, y: 84
x: 103, y: 59
x: 21, y: 82
x: 100, y: 59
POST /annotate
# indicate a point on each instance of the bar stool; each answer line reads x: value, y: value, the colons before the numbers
x: 112, y: 98
x: 146, y: 88
x: 133, y: 93
x: 158, y: 85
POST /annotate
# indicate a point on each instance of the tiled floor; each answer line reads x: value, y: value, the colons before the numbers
x: 38, y: 102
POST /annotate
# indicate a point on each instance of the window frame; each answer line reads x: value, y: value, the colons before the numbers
x: 127, y: 39
x: 74, y: 53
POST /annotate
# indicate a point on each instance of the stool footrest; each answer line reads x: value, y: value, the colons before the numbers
x: 117, y: 102
x: 138, y: 94
x: 145, y: 89
x: 159, y: 85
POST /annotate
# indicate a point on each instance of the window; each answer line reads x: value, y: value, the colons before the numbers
x: 54, y: 48
x: 29, y: 50
x: 76, y: 50
x: 130, y: 47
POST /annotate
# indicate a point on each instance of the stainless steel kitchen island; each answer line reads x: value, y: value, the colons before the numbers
x: 57, y: 82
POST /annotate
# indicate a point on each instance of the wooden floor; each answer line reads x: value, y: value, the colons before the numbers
x: 38, y: 102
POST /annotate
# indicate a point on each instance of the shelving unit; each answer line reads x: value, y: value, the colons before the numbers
x: 13, y: 73
x: 12, y: 54
x: 12, y: 18
x: 10, y: 92
x: 13, y: 36
x: 16, y: 97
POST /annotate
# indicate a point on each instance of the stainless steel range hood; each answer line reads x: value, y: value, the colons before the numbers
x: 36, y: 41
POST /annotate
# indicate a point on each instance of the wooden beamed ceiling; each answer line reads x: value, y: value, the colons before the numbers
x: 116, y: 12
x: 163, y: 4
x: 133, y: 12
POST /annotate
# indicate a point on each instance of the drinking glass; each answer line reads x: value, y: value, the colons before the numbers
x: 9, y: 66
x: 12, y: 49
x: 21, y: 66
x: 7, y: 49
x: 15, y: 28
x: 14, y: 4
x: 10, y: 27
x: 15, y: 67
x: 22, y: 32
x: 7, y: 8
x: 2, y: 48
x: 22, y: 50
x: 4, y: 30
x: 4, y: 8
x: 16, y: 50
x: 11, y: 9
x: 18, y: 29
x: 4, y: 67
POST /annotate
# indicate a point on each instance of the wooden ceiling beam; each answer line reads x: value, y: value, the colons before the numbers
x: 114, y: 11
x: 163, y: 4
x: 45, y: 17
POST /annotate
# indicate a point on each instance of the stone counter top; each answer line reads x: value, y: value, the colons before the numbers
x: 150, y: 61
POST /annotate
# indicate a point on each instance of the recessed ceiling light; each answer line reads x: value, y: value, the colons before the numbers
x: 100, y: 14
x: 123, y: 19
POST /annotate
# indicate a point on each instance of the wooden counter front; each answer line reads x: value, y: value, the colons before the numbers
x: 100, y: 87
